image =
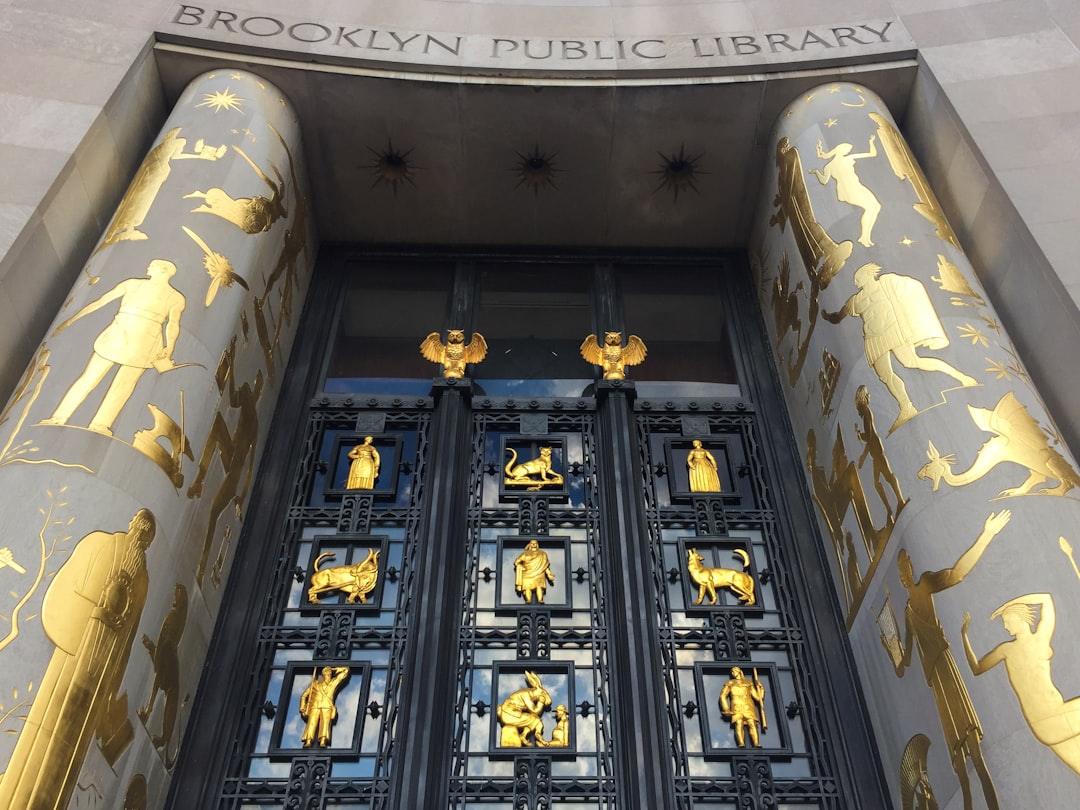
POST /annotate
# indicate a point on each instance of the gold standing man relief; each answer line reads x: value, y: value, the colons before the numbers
x: 364, y: 465
x: 874, y: 448
x: 849, y: 188
x: 613, y: 357
x: 742, y: 701
x: 455, y: 354
x: 923, y: 630
x: 134, y: 341
x: 897, y: 318
x: 317, y: 705
x: 709, y: 580
x: 356, y: 580
x: 701, y: 465
x: 535, y: 473
x: 90, y: 612
x: 532, y: 572
x: 1054, y: 721
x: 165, y: 655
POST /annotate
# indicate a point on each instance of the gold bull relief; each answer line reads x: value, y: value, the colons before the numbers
x: 709, y: 580
x: 1018, y: 439
x: 356, y: 580
x: 533, y: 474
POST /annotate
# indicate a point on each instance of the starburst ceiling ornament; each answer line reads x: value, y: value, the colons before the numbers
x: 678, y: 171
x: 536, y: 170
x: 222, y: 100
x: 391, y: 166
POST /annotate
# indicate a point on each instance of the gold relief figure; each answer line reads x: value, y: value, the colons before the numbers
x: 785, y: 305
x: 708, y: 580
x: 822, y: 257
x: 701, y: 465
x: 147, y: 443
x: 1017, y: 438
x: 237, y: 454
x: 7, y: 560
x: 875, y: 449
x: 356, y: 580
x: 952, y: 280
x: 613, y: 357
x: 904, y: 167
x: 133, y: 341
x: 454, y: 355
x: 897, y: 318
x: 148, y: 181
x: 560, y: 735
x: 532, y: 572
x: 742, y: 701
x: 923, y: 630
x: 849, y: 188
x: 838, y: 491
x: 916, y: 792
x: 317, y: 705
x: 364, y: 464
x: 828, y: 379
x: 523, y: 473
x: 250, y: 214
x: 219, y: 268
x: 520, y: 714
x: 165, y: 655
x: 90, y: 612
x: 1054, y: 721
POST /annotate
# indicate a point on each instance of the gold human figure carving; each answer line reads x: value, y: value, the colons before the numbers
x: 822, y: 257
x: 916, y: 793
x: 1054, y: 721
x: 613, y: 357
x: 849, y: 188
x: 7, y: 560
x: 520, y: 713
x: 1017, y: 438
x: 905, y: 167
x: 922, y: 629
x: 701, y: 465
x: 838, y: 491
x: 148, y: 181
x: 133, y: 341
x: 165, y: 655
x: 532, y: 572
x: 875, y: 449
x: 828, y: 379
x: 560, y: 735
x: 147, y: 443
x: 364, y: 465
x: 742, y: 701
x: 236, y: 451
x: 709, y: 580
x: 454, y: 355
x: 897, y: 318
x: 90, y: 612
x: 951, y: 280
x: 317, y: 705
x: 356, y: 580
x: 526, y: 471
x: 784, y: 300
x: 250, y: 214
x: 219, y: 268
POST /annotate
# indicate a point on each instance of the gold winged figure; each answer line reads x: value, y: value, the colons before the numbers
x: 613, y: 357
x: 454, y: 355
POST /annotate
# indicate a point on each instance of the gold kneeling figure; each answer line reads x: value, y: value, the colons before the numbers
x: 520, y: 714
x: 709, y: 579
x: 356, y: 580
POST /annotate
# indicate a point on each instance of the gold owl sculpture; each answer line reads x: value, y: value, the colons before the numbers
x: 613, y: 357
x: 454, y: 354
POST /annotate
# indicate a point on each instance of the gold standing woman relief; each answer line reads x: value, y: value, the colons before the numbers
x: 742, y: 701
x: 532, y: 572
x: 701, y: 466
x: 317, y: 705
x: 613, y: 357
x: 364, y: 465
x: 455, y: 354
x: 849, y: 188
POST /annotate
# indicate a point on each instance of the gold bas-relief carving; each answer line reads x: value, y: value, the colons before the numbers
x: 317, y: 705
x: 90, y: 612
x: 133, y: 341
x: 560, y: 735
x: 849, y: 188
x: 526, y: 472
x: 1017, y: 438
x: 147, y: 443
x: 951, y: 280
x: 1067, y: 549
x: 905, y: 167
x: 7, y: 560
x: 708, y: 580
x: 875, y: 449
x: 520, y: 714
x: 613, y: 357
x: 135, y: 797
x: 219, y: 268
x: 922, y: 629
x: 455, y: 354
x: 148, y: 181
x: 701, y: 466
x: 822, y: 257
x: 165, y: 655
x: 916, y: 793
x: 1054, y: 721
x: 356, y: 580
x: 532, y: 572
x: 834, y: 494
x: 828, y: 379
x: 897, y: 318
x: 742, y: 701
x: 250, y: 214
x: 364, y: 465
x: 784, y: 300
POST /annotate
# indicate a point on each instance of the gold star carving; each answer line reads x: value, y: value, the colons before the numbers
x: 809, y: 97
x: 907, y: 242
x: 831, y: 122
x: 834, y: 89
x: 238, y: 76
x: 221, y: 100
x: 787, y: 114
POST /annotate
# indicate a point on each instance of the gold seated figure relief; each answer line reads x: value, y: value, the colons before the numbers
x: 520, y: 713
x: 534, y: 473
x: 356, y: 580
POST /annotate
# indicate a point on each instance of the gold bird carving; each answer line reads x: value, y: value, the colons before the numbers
x: 454, y: 355
x: 613, y: 357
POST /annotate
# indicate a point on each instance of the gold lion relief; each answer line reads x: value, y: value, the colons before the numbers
x: 535, y: 473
